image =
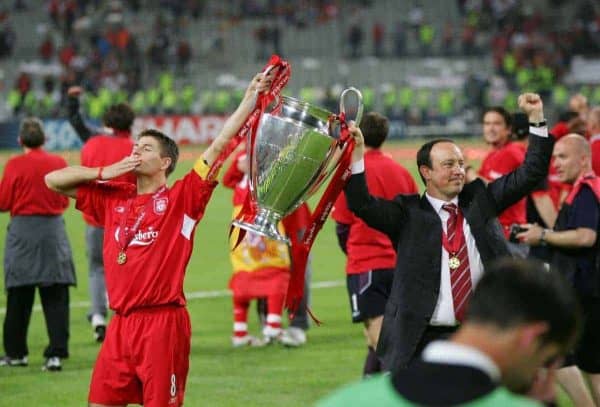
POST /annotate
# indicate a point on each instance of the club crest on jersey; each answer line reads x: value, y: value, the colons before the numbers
x: 120, y: 209
x: 160, y: 205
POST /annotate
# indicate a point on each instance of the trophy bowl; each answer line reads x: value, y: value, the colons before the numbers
x: 295, y: 150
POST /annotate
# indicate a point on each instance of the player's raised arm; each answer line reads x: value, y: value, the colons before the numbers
x: 66, y: 180
x: 259, y: 83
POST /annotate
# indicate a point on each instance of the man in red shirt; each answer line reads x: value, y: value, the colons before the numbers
x: 504, y: 157
x: 593, y: 128
x: 101, y: 147
x: 37, y: 251
x: 371, y: 257
x: 147, y: 245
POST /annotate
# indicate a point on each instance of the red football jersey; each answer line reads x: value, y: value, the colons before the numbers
x: 103, y: 150
x: 498, y: 163
x: 367, y: 248
x: 595, y: 143
x: 23, y: 190
x: 160, y: 250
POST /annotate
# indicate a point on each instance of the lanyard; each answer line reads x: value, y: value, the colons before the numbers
x: 453, y: 247
x: 126, y: 235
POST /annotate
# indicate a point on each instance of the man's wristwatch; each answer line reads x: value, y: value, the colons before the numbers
x: 538, y: 124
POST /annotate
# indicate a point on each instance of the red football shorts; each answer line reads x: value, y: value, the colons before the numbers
x: 144, y: 359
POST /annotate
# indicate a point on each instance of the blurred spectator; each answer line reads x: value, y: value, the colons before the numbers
x: 378, y: 38
x: 66, y: 54
x: 448, y: 39
x: 415, y: 19
x: 355, y: 39
x: 262, y: 35
x: 184, y: 55
x: 399, y: 39
x: 579, y: 103
x: 7, y: 40
x: 468, y: 39
x: 46, y: 49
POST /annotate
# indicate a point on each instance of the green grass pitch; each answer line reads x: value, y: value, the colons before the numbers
x: 219, y: 375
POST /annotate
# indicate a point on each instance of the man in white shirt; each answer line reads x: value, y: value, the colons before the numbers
x: 445, y: 238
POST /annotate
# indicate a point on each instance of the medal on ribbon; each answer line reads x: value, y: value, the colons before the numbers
x: 121, y: 258
x: 453, y: 263
x: 126, y: 235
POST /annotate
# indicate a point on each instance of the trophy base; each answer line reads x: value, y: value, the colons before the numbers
x: 264, y: 226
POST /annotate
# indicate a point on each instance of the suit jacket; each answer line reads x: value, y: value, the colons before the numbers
x: 416, y: 231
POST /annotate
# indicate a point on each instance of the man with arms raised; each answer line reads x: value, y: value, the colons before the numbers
x: 445, y: 238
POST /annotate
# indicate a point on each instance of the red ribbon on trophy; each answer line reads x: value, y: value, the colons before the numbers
x: 282, y: 75
x: 301, y: 250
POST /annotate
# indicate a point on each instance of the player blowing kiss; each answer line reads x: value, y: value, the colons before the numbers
x: 148, y: 240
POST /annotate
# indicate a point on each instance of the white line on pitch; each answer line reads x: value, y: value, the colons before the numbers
x: 197, y: 295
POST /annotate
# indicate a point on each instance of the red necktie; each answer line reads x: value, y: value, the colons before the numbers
x: 460, y: 273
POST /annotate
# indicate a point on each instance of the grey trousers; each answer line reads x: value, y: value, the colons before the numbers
x: 94, y: 238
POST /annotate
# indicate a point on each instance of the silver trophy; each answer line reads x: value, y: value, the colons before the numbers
x: 296, y: 148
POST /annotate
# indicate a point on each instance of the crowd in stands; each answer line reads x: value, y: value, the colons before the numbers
x: 97, y: 45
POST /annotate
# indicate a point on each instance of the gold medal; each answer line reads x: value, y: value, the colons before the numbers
x: 453, y: 262
x: 121, y: 258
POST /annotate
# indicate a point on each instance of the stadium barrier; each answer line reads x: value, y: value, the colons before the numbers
x: 192, y: 129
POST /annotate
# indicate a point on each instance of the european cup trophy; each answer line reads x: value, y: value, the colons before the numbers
x: 296, y: 148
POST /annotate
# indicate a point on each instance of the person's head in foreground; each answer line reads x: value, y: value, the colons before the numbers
x: 521, y: 318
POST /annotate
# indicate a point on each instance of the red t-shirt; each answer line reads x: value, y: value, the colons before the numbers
x: 595, y: 143
x: 498, y: 163
x: 103, y: 150
x: 23, y: 190
x: 367, y: 248
x: 160, y: 251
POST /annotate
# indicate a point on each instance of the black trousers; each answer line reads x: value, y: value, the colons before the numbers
x: 19, y: 304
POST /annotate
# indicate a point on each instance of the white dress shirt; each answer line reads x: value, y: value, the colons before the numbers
x: 444, y: 309
x: 451, y: 353
x: 443, y: 315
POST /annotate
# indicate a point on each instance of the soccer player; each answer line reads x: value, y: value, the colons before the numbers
x: 147, y: 245
x: 505, y: 156
x: 101, y: 148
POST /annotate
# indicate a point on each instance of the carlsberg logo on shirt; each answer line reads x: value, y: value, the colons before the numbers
x: 141, y: 238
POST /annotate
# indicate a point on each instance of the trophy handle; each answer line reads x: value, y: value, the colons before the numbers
x: 359, y: 112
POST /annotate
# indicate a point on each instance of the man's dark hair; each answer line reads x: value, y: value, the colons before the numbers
x: 375, y: 128
x: 119, y: 116
x: 567, y: 116
x: 513, y: 292
x: 502, y: 112
x: 168, y: 147
x: 520, y: 127
x: 424, y: 154
x: 31, y: 132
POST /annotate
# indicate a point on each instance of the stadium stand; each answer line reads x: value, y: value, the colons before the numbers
x: 423, y: 63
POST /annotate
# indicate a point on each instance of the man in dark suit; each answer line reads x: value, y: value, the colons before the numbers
x: 521, y: 318
x: 445, y: 238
